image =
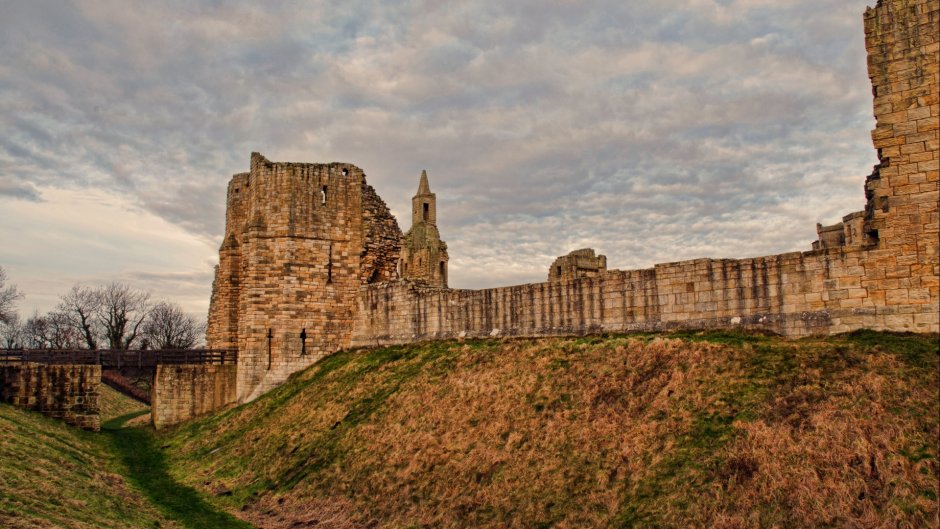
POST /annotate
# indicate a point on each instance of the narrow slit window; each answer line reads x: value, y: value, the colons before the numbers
x: 329, y: 267
x: 323, y: 196
x: 345, y: 171
x: 427, y: 211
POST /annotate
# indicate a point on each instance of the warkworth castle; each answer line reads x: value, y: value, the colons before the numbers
x: 313, y: 261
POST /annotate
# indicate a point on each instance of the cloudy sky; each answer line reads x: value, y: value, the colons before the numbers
x: 650, y: 131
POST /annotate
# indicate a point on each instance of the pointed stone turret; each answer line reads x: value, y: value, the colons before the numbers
x: 423, y: 187
x: 424, y: 204
x: 423, y: 253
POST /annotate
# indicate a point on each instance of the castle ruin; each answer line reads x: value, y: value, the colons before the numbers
x: 313, y: 261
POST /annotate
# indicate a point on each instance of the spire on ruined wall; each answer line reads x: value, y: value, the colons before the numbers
x: 424, y: 254
x: 423, y: 187
x: 424, y: 203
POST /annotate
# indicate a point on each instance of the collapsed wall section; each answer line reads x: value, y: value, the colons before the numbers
x: 902, y: 223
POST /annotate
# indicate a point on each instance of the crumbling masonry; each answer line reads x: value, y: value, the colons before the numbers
x: 313, y: 261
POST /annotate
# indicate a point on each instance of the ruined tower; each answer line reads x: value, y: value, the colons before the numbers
x: 300, y: 239
x: 577, y: 264
x: 900, y: 213
x: 423, y: 253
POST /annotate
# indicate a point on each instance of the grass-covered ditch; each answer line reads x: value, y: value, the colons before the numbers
x: 57, y: 476
x: 712, y: 429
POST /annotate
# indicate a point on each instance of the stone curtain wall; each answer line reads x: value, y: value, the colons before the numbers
x: 183, y: 392
x: 67, y: 392
x: 888, y: 282
x: 795, y: 294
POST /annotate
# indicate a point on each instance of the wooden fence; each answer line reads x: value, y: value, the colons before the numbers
x: 117, y: 359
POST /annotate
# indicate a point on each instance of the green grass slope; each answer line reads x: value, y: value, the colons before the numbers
x: 689, y: 430
x: 57, y: 476
x: 113, y: 404
x: 53, y: 476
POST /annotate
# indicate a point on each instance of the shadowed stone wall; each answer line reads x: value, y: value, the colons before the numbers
x: 67, y: 392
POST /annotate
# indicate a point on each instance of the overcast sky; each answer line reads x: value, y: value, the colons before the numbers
x: 650, y: 131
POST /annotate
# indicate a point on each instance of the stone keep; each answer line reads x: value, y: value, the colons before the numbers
x: 423, y: 253
x: 300, y: 239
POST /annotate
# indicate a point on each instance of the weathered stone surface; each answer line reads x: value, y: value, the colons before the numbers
x: 577, y: 264
x: 67, y: 392
x: 299, y: 241
x: 183, y: 392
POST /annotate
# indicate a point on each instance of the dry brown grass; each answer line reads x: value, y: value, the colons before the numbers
x: 711, y: 431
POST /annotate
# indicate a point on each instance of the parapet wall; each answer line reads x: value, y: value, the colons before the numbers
x: 794, y: 294
x: 183, y: 392
x: 67, y: 392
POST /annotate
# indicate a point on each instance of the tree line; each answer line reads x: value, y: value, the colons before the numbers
x: 109, y: 316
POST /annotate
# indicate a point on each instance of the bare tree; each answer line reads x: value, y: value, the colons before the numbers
x: 36, y: 332
x: 80, y: 306
x: 53, y: 330
x: 8, y: 296
x: 121, y: 311
x: 61, y: 333
x: 11, y: 332
x: 168, y: 327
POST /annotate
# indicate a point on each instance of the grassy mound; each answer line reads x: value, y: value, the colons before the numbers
x: 705, y: 430
x: 57, y: 476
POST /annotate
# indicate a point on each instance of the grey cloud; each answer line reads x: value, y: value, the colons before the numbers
x: 653, y: 132
x: 18, y: 190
